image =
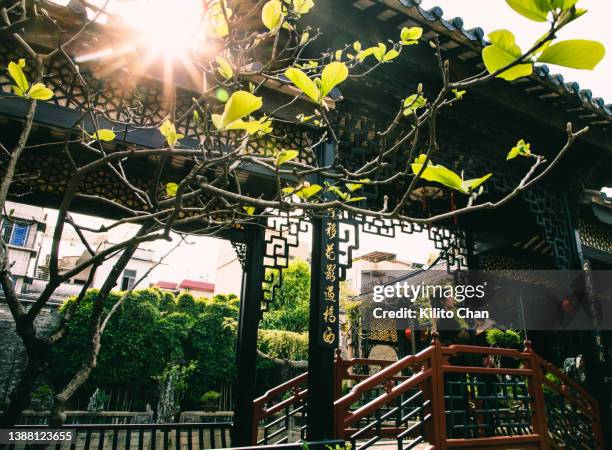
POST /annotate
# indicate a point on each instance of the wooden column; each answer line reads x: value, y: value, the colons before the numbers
x: 323, y: 329
x: 246, y: 347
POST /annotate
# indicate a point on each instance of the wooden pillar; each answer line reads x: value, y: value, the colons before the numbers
x: 323, y: 328
x: 320, y: 414
x: 246, y: 346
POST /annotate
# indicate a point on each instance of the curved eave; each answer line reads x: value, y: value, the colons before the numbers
x: 467, y: 45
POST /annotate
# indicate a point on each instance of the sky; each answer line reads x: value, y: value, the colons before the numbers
x: 492, y: 15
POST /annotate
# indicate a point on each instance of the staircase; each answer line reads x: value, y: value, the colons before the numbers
x: 442, y: 397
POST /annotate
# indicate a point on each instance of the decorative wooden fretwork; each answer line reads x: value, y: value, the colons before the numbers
x: 595, y: 235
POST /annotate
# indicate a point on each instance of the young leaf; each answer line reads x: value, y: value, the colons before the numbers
x: 302, y: 82
x: 502, y: 52
x: 437, y: 173
x: 104, y: 135
x: 470, y: 185
x: 308, y: 191
x: 576, y: 53
x: 196, y: 116
x: 240, y: 104
x: 225, y: 68
x: 272, y: 15
x: 411, y: 35
x: 217, y: 18
x: 286, y: 155
x: 414, y: 103
x: 338, y: 192
x: 355, y: 199
x: 531, y: 9
x: 302, y: 6
x: 520, y: 149
x: 355, y: 186
x: 250, y: 210
x: 38, y: 91
x: 458, y: 94
x: 16, y: 73
x: 332, y: 75
x: 171, y: 189
x: 168, y: 130
x: 391, y: 54
x: 304, y: 38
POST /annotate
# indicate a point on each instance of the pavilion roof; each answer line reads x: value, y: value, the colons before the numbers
x: 467, y: 43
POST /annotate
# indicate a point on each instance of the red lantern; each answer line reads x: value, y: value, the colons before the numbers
x: 408, y: 333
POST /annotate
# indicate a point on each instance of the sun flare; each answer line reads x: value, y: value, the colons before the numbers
x: 165, y: 28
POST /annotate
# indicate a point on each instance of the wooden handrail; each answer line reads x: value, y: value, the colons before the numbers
x: 428, y: 369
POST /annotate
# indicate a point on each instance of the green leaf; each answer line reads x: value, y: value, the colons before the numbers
x: 520, y: 149
x: 437, y: 173
x: 168, y: 130
x: 286, y: 155
x: 531, y: 9
x: 411, y: 35
x: 390, y: 55
x: 332, y: 75
x: 171, y: 189
x: 302, y: 82
x: 338, y: 192
x: 304, y: 38
x: 357, y: 46
x: 302, y: 6
x: 503, y: 52
x: 104, y: 135
x: 355, y: 199
x: 240, y: 104
x: 250, y: 210
x: 262, y: 125
x: 458, y: 94
x: 576, y: 53
x: 563, y: 4
x: 470, y: 185
x: 225, y: 68
x: 378, y: 52
x: 414, y: 103
x: 16, y: 73
x: 272, y: 15
x: 355, y: 186
x: 196, y: 116
x: 39, y: 91
x: 308, y: 191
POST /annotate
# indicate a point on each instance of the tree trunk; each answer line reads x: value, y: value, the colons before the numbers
x: 57, y: 417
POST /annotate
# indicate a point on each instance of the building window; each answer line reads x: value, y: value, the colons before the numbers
x: 15, y: 233
x: 128, y: 280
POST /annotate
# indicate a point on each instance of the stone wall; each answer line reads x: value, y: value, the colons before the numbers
x: 12, y: 352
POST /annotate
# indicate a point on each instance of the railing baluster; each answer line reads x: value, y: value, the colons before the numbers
x: 177, y: 435
x: 101, y: 440
x: 153, y: 441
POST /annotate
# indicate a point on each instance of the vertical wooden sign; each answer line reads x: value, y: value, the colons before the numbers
x: 329, y: 297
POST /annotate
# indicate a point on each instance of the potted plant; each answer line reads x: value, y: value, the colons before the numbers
x: 210, y: 400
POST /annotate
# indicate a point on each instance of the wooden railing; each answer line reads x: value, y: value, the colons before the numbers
x: 460, y: 396
x: 179, y: 436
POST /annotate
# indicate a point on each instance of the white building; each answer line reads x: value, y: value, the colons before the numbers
x: 22, y: 228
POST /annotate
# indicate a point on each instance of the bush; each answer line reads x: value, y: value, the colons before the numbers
x: 167, y: 303
x: 504, y: 339
x: 283, y: 344
x: 148, y: 333
x: 289, y: 310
